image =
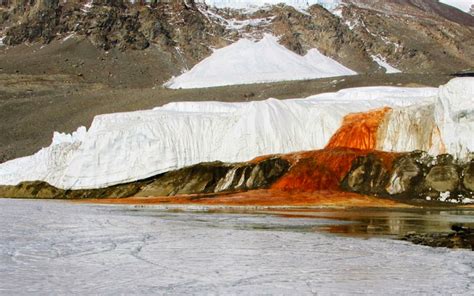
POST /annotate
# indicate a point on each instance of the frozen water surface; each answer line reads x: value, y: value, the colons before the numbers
x: 60, y: 248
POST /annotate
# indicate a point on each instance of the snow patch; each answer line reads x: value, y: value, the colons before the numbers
x: 87, y: 7
x: 443, y: 196
x: 383, y: 63
x: 246, y: 62
x: 68, y: 37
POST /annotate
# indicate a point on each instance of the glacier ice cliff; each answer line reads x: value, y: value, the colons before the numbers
x: 125, y: 147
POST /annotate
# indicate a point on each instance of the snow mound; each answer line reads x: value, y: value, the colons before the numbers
x: 246, y: 62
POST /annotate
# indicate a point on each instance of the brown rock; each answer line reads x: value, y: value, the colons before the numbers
x: 367, y: 175
x: 468, y: 176
x: 442, y: 178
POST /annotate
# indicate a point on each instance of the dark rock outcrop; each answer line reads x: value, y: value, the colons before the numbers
x: 367, y: 175
x: 413, y: 176
x: 201, y: 178
x: 461, y: 237
x: 217, y: 177
x: 407, y: 175
x: 443, y: 177
x: 468, y: 176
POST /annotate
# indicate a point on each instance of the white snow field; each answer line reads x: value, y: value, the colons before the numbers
x: 125, y: 147
x: 246, y: 62
x: 57, y: 248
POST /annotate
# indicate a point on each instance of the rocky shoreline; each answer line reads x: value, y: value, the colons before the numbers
x: 415, y: 175
x: 460, y: 238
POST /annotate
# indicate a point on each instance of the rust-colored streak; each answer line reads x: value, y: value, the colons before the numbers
x: 359, y: 130
x: 323, y: 169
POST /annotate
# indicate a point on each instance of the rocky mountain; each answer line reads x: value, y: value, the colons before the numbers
x: 410, y: 35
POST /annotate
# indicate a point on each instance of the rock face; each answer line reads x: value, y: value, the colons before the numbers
x: 468, y: 176
x: 414, y: 37
x: 443, y: 176
x: 216, y: 177
x: 368, y: 175
x: 407, y: 173
x: 462, y: 237
x: 116, y: 24
x: 413, y: 176
x: 43, y: 190
x: 378, y: 25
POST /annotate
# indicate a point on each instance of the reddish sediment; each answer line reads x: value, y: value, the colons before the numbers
x: 359, y: 130
x: 263, y: 198
x: 324, y: 169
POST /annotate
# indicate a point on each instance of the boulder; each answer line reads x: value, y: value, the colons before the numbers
x: 468, y: 177
x: 406, y: 176
x: 444, y: 176
x: 367, y: 175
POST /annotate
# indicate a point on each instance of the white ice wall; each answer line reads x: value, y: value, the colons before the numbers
x: 124, y: 147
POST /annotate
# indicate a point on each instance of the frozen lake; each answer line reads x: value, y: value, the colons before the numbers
x: 49, y: 247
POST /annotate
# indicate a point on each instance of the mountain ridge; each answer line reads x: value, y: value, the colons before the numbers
x: 403, y: 33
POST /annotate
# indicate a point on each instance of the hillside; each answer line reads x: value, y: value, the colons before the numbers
x: 409, y: 35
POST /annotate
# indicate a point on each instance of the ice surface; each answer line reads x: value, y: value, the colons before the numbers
x: 455, y: 111
x: 53, y: 248
x: 246, y: 61
x: 463, y: 5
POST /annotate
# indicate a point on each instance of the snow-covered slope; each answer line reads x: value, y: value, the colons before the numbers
x: 389, y: 69
x: 242, y: 4
x: 247, y: 62
x: 124, y: 147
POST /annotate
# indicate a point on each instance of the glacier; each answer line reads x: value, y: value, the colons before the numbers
x: 125, y: 147
x: 246, y: 62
